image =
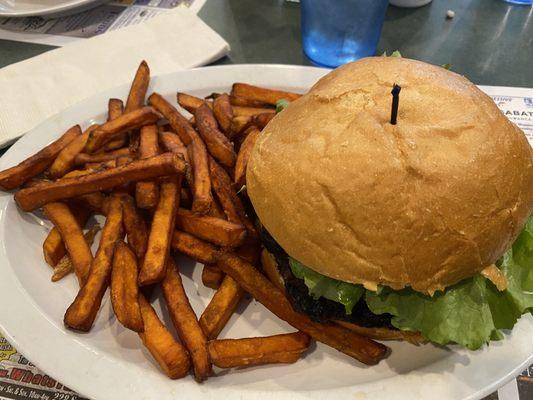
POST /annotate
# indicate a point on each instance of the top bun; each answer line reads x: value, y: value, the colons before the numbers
x: 424, y: 203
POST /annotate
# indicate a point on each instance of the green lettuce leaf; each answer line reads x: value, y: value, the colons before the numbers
x: 319, y: 285
x: 523, y: 254
x: 470, y: 313
x: 462, y: 314
x: 395, y: 53
x: 281, y: 105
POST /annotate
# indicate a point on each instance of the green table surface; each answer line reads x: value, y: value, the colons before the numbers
x: 489, y: 41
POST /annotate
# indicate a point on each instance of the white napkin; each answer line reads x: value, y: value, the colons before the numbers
x: 36, y: 89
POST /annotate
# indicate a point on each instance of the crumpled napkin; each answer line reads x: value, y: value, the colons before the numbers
x: 40, y: 87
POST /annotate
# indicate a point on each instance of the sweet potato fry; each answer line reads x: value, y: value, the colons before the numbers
x: 53, y: 247
x: 127, y: 121
x: 134, y: 140
x: 147, y: 192
x: 230, y: 201
x: 216, y: 210
x: 172, y: 142
x: 102, y: 165
x: 72, y: 236
x: 269, y: 96
x: 171, y: 356
x: 185, y: 197
x: 202, y: 199
x: 344, y: 340
x: 244, y: 156
x: 212, y: 276
x: 223, y: 113
x: 242, y: 129
x: 178, y: 122
x: 139, y: 87
x: 124, y: 289
x: 232, y: 353
x: 77, y: 173
x: 160, y: 237
x: 115, y: 108
x: 193, y: 247
x: 222, y: 187
x: 239, y: 111
x: 384, y: 333
x: 128, y: 188
x: 149, y: 145
x: 239, y: 124
x: 250, y: 251
x: 224, y: 190
x: 212, y: 229
x: 221, y: 307
x: 123, y: 161
x: 65, y: 265
x: 217, y: 143
x: 252, y: 236
x: 84, y: 158
x: 31, y: 198
x: 65, y: 160
x: 115, y: 144
x: 62, y: 268
x: 244, y: 102
x: 165, y: 127
x: 241, y: 107
x: 197, y: 152
x: 92, y: 202
x: 271, y: 270
x: 135, y: 227
x: 35, y: 181
x: 82, y: 312
x: 185, y: 321
x: 149, y: 141
x: 14, y: 177
x: 190, y: 103
x: 261, y: 120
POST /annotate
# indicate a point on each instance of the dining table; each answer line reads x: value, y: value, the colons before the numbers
x: 488, y: 41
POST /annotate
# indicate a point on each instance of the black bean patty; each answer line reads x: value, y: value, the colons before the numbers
x: 321, y: 309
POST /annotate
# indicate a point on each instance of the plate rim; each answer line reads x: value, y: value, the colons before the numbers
x: 14, y: 283
x: 60, y: 8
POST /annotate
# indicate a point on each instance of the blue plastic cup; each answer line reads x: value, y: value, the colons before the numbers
x: 335, y: 32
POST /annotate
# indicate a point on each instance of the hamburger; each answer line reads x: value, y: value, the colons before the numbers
x: 422, y: 228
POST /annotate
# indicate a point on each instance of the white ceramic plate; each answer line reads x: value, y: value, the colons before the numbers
x: 110, y: 362
x: 29, y: 8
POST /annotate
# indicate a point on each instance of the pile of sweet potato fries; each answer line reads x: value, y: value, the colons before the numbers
x: 167, y: 183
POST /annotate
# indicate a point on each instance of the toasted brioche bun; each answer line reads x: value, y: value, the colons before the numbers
x: 424, y: 203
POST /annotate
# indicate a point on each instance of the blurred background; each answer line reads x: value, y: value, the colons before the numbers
x: 490, y: 41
